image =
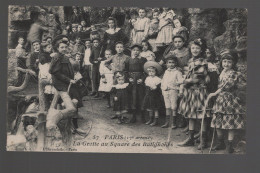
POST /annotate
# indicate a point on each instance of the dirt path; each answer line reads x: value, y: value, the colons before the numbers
x: 123, y: 138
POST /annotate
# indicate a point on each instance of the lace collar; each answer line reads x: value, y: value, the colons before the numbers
x: 122, y: 86
x: 112, y: 31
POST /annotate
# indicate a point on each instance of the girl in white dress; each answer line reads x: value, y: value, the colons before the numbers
x: 165, y: 27
x: 141, y: 27
x: 106, y: 80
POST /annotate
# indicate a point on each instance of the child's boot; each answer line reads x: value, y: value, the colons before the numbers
x: 230, y: 148
x: 150, y: 118
x: 143, y: 116
x: 97, y: 95
x: 155, y: 122
x: 189, y: 141
x: 114, y: 116
x: 174, y: 126
x: 119, y: 119
x: 133, y: 119
x: 220, y: 144
x: 203, y: 142
x: 166, y: 124
x: 108, y: 101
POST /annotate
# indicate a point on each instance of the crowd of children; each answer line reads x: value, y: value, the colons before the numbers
x: 175, y: 83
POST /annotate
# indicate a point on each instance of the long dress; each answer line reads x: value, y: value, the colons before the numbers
x: 113, y: 36
x: 152, y: 96
x: 227, y: 112
x: 165, y: 29
x: 106, y: 80
x: 141, y: 27
x: 194, y: 94
x: 122, y: 93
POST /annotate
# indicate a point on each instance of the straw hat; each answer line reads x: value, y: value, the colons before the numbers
x: 153, y: 64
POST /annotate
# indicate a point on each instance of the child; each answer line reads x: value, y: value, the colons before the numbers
x: 213, y: 70
x: 94, y: 32
x: 179, y: 29
x: 117, y: 61
x: 228, y: 114
x: 195, y: 93
x: 21, y: 56
x: 74, y: 32
x: 95, y: 59
x: 44, y: 75
x: 171, y: 81
x: 121, y: 99
x: 151, y: 99
x: 141, y: 27
x: 153, y: 30
x: 106, y: 80
x: 87, y: 66
x: 34, y: 59
x: 147, y: 51
x: 78, y: 58
x: 134, y: 67
x: 180, y: 51
x: 165, y: 27
x: 78, y: 47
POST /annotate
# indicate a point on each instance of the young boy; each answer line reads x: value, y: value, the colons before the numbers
x: 135, y: 69
x: 87, y: 65
x: 94, y: 32
x: 117, y: 62
x: 95, y: 59
x: 78, y: 47
x: 170, y: 84
x: 34, y: 59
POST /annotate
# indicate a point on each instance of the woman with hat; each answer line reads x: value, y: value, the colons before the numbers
x: 228, y: 114
x: 113, y: 35
x: 152, y: 101
x: 134, y: 67
x: 195, y: 92
x: 62, y: 76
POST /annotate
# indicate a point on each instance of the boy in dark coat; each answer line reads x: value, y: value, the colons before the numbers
x: 95, y: 59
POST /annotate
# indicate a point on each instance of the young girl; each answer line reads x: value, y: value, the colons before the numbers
x: 21, y: 56
x: 179, y: 29
x: 228, y: 114
x: 153, y: 29
x: 213, y: 70
x: 180, y: 51
x: 141, y: 26
x: 106, y: 80
x: 147, y: 51
x: 195, y: 92
x: 152, y: 97
x: 165, y: 27
x: 121, y: 100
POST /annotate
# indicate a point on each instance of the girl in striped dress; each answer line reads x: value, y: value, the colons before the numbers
x: 228, y: 114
